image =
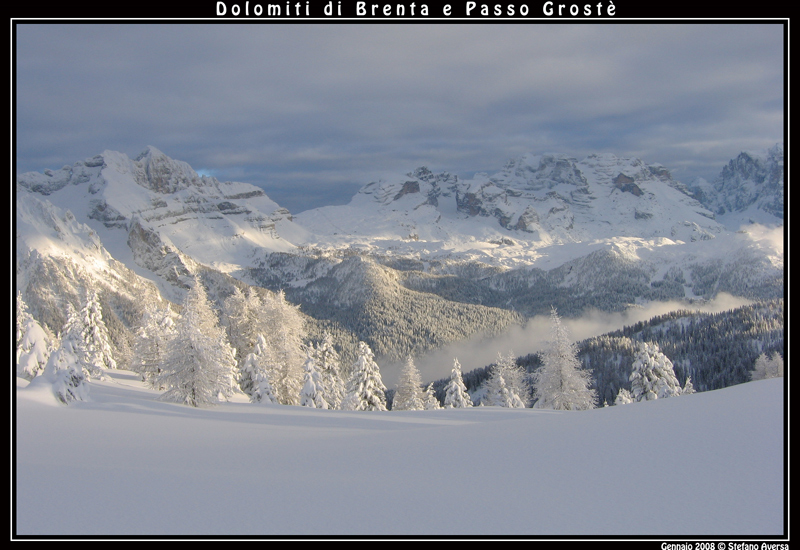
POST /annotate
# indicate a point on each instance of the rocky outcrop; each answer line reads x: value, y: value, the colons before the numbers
x: 151, y: 252
x: 528, y: 221
x: 626, y: 184
x: 408, y: 187
x: 100, y: 210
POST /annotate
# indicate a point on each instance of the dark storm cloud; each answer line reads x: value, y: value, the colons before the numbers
x: 311, y: 112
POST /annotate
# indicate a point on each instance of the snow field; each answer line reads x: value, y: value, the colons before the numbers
x: 124, y: 463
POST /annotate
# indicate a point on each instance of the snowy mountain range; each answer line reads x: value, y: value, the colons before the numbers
x: 414, y: 260
x: 533, y: 203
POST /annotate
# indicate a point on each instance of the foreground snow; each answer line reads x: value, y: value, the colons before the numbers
x: 124, y: 463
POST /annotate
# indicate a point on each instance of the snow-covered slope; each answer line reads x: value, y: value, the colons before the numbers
x: 164, y: 202
x: 125, y: 464
x: 58, y: 259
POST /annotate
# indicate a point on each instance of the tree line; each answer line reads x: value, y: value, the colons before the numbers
x: 257, y: 344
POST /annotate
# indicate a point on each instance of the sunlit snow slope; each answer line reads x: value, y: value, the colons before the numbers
x: 124, y: 463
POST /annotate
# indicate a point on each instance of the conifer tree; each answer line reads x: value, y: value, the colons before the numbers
x: 256, y: 373
x: 33, y: 345
x: 152, y: 342
x: 97, y: 355
x: 285, y: 341
x: 250, y: 316
x: 68, y: 379
x: 311, y: 394
x: 245, y: 320
x: 623, y: 397
x: 65, y: 366
x: 507, y: 384
x: 365, y: 391
x: 409, y: 393
x: 71, y: 339
x: 499, y: 394
x: 328, y: 362
x: 561, y: 383
x: 767, y: 367
x: 200, y: 363
x: 22, y: 318
x: 455, y: 393
x: 262, y: 391
x: 652, y: 376
x: 431, y: 402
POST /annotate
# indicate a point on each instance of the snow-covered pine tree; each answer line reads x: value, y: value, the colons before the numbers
x: 200, y: 363
x: 767, y: 367
x: 97, y: 354
x: 431, y: 402
x: 247, y: 320
x: 68, y: 379
x: 561, y: 383
x: 409, y: 393
x: 365, y: 390
x: 152, y: 342
x: 256, y: 366
x: 257, y: 372
x: 623, y: 397
x: 248, y: 316
x: 310, y: 395
x: 500, y: 395
x: 244, y: 317
x: 22, y: 318
x: 652, y: 375
x: 263, y: 392
x: 65, y: 366
x: 71, y: 338
x: 285, y: 341
x: 328, y: 363
x: 455, y: 393
x: 507, y: 385
x: 33, y: 345
x: 33, y: 351
x: 688, y: 387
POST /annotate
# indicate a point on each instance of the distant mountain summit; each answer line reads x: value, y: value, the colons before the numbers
x: 599, y: 196
x: 539, y: 200
x: 750, y: 188
x: 164, y: 205
x: 152, y: 170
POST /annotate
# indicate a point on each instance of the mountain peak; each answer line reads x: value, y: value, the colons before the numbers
x: 164, y: 174
x: 168, y: 198
x: 150, y: 151
x: 751, y: 182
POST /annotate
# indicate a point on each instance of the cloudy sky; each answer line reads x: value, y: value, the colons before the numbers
x: 310, y: 112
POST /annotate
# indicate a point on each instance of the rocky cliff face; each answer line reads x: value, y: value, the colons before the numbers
x: 751, y: 180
